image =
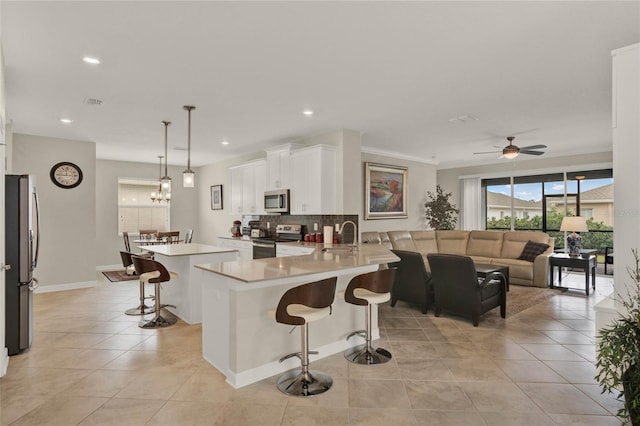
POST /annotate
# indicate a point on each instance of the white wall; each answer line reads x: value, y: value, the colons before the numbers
x: 421, y: 178
x: 184, y: 203
x: 68, y: 216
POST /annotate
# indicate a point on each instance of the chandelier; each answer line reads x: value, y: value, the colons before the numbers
x: 188, y: 176
x: 161, y: 195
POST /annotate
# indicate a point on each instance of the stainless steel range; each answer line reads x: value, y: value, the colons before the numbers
x: 266, y: 247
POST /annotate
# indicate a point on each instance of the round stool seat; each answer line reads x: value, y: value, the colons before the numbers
x: 153, y: 272
x: 371, y: 297
x: 299, y: 306
x: 368, y: 290
x: 309, y: 314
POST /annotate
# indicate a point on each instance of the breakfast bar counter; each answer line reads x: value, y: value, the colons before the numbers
x: 241, y: 338
x: 185, y: 292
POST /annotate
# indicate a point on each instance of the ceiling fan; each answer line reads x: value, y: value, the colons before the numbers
x: 512, y: 151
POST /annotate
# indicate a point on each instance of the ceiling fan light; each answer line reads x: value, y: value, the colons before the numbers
x: 510, y: 152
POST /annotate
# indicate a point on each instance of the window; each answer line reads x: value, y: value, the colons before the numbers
x: 136, y: 210
x: 539, y: 202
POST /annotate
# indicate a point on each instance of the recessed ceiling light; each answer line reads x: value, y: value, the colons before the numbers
x: 308, y: 112
x: 91, y: 60
x: 66, y: 120
x: 225, y: 143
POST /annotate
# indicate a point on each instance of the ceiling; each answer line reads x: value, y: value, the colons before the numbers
x: 398, y: 72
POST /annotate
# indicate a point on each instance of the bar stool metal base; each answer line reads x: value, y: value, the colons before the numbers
x: 140, y: 310
x: 158, y: 322
x: 297, y: 383
x: 367, y: 356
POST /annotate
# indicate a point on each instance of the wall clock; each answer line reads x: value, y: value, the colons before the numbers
x: 66, y: 175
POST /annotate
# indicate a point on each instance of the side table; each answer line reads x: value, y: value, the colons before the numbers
x: 587, y: 263
x: 482, y: 269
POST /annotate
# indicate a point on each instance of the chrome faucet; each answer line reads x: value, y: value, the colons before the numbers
x: 355, y: 233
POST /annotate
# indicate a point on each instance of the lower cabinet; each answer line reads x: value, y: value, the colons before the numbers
x: 244, y: 247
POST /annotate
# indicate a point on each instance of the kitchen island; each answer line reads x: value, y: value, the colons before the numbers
x: 185, y: 292
x: 241, y: 338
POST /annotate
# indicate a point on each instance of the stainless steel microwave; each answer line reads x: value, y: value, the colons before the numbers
x: 276, y: 201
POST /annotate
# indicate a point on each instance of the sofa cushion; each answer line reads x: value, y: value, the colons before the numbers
x: 453, y: 242
x: 514, y: 241
x: 425, y: 241
x: 485, y: 244
x: 373, y: 237
x: 532, y: 250
x: 401, y: 240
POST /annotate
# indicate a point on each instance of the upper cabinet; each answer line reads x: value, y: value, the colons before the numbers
x: 279, y: 167
x: 247, y: 187
x: 313, y: 180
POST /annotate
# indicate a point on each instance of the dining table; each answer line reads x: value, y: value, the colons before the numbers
x: 152, y: 241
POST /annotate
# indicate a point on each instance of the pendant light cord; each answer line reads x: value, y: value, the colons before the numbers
x: 189, y: 108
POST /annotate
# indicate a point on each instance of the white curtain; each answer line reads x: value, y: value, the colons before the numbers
x: 471, y: 205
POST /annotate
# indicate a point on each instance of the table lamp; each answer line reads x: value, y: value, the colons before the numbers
x: 574, y: 224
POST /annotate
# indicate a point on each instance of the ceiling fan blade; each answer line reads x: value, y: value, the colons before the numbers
x: 487, y: 152
x: 526, y: 151
x: 534, y: 147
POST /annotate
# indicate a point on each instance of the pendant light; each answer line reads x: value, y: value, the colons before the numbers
x: 165, y: 181
x: 160, y: 195
x: 188, y: 176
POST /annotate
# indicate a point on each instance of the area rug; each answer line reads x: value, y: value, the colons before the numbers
x: 117, y: 276
x: 520, y: 298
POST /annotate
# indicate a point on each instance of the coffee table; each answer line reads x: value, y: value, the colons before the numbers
x: 483, y: 269
x: 587, y: 263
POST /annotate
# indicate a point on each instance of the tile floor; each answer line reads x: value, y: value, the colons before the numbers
x: 91, y: 364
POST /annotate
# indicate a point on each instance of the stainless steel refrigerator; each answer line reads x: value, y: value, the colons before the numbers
x: 22, y: 242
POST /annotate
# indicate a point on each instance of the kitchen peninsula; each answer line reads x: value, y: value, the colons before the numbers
x: 185, y: 292
x: 241, y: 338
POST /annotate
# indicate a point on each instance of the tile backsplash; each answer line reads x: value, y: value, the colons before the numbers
x: 307, y: 222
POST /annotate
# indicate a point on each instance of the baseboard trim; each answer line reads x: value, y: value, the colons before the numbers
x: 64, y: 287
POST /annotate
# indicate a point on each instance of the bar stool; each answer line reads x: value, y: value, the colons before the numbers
x: 154, y: 273
x: 142, y: 308
x: 368, y: 289
x: 300, y: 306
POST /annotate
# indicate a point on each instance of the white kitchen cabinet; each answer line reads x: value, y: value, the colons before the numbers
x: 279, y: 167
x: 244, y: 247
x: 313, y: 180
x: 247, y: 188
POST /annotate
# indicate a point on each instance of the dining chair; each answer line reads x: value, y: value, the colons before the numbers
x: 189, y: 236
x: 147, y: 234
x: 172, y: 237
x: 127, y: 246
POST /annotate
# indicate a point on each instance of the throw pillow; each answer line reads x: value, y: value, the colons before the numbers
x: 531, y: 250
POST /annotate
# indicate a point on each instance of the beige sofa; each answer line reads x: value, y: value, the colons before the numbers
x: 492, y: 247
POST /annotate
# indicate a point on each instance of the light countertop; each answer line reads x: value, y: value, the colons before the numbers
x: 318, y: 262
x: 185, y: 249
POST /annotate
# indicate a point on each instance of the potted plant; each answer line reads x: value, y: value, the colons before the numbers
x: 440, y: 212
x: 618, y: 355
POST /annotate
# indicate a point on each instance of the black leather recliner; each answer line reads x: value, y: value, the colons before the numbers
x: 457, y: 288
x: 412, y: 281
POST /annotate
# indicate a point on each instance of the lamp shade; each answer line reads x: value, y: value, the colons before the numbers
x: 574, y: 224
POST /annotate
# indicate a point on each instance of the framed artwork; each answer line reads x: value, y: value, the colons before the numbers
x: 385, y: 191
x: 216, y: 197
